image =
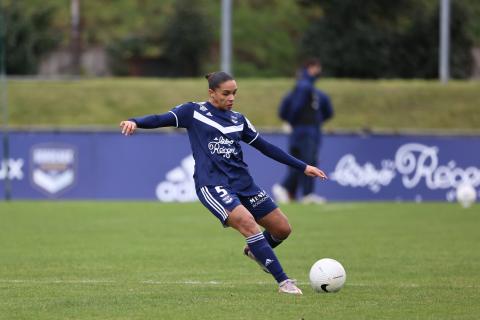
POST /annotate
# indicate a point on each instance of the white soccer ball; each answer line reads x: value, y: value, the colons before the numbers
x: 466, y: 195
x: 327, y: 275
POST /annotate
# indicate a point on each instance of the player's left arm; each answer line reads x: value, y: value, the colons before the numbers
x: 251, y: 136
x: 281, y: 156
x: 312, y: 171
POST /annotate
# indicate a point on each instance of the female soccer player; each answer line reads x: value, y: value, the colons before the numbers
x: 222, y: 180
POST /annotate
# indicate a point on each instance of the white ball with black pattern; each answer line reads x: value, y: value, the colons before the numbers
x: 327, y: 275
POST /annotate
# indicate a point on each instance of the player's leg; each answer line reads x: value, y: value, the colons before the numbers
x: 243, y: 221
x: 221, y: 203
x: 227, y: 207
x: 268, y: 215
x: 276, y: 227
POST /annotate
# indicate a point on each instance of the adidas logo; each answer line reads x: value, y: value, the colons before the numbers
x: 268, y: 262
x: 178, y: 185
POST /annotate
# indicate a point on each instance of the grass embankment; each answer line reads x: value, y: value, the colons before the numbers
x: 378, y: 105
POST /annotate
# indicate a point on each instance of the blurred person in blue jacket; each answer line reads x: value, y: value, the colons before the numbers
x: 305, y: 108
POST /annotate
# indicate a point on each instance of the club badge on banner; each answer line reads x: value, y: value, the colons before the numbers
x: 53, y: 168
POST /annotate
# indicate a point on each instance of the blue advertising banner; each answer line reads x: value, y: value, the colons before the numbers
x: 159, y: 166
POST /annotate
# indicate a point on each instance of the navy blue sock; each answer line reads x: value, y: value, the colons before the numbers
x: 271, y: 240
x: 264, y: 253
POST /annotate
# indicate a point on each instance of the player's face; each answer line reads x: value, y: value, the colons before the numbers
x: 224, y: 96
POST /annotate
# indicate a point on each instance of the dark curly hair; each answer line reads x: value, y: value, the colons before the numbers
x: 215, y: 79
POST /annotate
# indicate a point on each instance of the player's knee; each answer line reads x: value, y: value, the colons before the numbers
x: 247, y: 225
x: 283, y: 232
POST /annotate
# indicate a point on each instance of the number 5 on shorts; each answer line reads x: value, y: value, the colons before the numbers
x: 221, y: 192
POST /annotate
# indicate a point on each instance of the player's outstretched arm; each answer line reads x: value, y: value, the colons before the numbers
x: 312, y: 171
x: 281, y: 156
x: 153, y: 121
x: 128, y: 127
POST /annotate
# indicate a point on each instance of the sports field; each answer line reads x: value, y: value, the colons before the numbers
x: 146, y: 260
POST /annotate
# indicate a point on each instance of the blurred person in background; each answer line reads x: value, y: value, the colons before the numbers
x: 305, y: 109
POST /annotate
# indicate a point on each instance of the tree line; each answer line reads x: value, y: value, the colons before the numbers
x: 359, y: 39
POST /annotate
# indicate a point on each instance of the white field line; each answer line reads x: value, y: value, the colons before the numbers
x: 213, y: 283
x: 153, y: 282
x: 80, y: 281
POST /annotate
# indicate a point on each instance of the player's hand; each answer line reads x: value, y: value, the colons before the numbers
x: 128, y: 127
x: 312, y: 171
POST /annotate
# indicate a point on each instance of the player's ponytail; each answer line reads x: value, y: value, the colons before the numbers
x: 215, y: 79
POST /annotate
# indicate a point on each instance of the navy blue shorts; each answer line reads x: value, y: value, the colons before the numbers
x: 221, y: 201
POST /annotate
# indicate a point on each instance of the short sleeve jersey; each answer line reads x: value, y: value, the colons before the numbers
x: 215, y: 137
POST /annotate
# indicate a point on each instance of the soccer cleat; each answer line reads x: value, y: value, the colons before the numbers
x: 248, y: 253
x: 289, y: 286
x: 280, y: 193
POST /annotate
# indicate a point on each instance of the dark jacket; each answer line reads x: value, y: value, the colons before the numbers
x: 305, y: 105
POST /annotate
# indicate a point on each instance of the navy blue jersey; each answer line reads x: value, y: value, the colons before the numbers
x: 215, y: 137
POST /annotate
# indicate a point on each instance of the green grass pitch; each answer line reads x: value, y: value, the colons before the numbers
x: 146, y: 260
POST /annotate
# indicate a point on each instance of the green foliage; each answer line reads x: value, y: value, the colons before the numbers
x: 106, y: 22
x: 473, y: 21
x: 416, y: 53
x: 370, y: 38
x: 176, y: 44
x: 266, y: 36
x: 384, y: 39
x: 187, y: 39
x: 147, y: 260
x: 27, y: 34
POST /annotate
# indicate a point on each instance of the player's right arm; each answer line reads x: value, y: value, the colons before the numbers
x: 179, y: 117
x: 147, y: 122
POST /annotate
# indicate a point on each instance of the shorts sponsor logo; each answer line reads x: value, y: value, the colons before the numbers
x: 222, y: 146
x: 260, y: 198
x: 53, y: 167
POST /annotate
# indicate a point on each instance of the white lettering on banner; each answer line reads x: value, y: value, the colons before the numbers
x: 14, y: 168
x: 349, y: 173
x: 222, y: 146
x: 54, y: 156
x: 414, y: 162
x: 179, y: 185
